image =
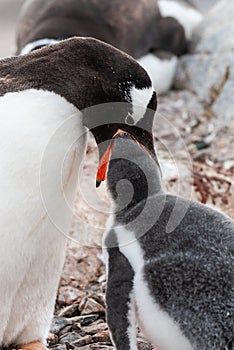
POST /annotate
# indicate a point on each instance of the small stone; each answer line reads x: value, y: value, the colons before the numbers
x: 82, y: 303
x: 67, y: 295
x: 78, y: 329
x: 69, y: 338
x: 86, y: 320
x: 58, y: 323
x: 66, y: 330
x: 102, y: 279
x: 95, y: 327
x: 92, y: 307
x: 52, y: 339
x: 69, y: 311
x: 100, y: 299
x: 102, y: 337
x: 202, y: 144
x: 83, y: 341
x: 59, y: 347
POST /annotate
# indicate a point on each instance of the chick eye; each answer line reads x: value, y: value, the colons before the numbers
x: 129, y: 119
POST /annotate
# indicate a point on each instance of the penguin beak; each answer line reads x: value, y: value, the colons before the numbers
x: 103, y: 164
x: 146, y: 143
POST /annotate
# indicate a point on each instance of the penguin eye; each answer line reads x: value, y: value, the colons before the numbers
x: 129, y: 119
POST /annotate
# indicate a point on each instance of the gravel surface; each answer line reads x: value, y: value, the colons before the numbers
x: 79, y: 320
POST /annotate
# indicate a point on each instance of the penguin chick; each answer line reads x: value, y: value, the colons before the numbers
x: 170, y: 261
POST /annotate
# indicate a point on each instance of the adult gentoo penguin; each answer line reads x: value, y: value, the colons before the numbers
x: 136, y: 27
x: 43, y: 139
x: 172, y: 273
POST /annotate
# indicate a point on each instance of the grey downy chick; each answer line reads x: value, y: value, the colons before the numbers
x: 175, y: 280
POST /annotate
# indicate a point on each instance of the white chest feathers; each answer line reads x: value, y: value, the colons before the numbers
x: 42, y: 142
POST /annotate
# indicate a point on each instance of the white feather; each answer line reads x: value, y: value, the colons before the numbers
x: 161, y: 72
x: 158, y: 326
x: 40, y: 157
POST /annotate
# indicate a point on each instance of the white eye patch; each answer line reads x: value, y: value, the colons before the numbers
x: 140, y: 100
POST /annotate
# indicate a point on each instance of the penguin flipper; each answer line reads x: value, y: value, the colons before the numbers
x: 120, y: 301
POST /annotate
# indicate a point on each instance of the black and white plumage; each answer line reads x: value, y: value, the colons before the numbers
x: 177, y: 282
x: 47, y: 101
x: 133, y: 27
x: 139, y: 28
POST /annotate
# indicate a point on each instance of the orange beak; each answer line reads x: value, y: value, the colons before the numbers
x: 104, y: 162
x: 103, y: 165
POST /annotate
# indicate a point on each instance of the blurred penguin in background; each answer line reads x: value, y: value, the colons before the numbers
x: 153, y: 32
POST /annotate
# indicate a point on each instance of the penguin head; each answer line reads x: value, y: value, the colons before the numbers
x: 108, y: 86
x: 131, y: 170
x: 118, y: 94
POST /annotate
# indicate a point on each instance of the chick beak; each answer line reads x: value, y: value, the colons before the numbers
x: 105, y: 159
